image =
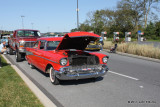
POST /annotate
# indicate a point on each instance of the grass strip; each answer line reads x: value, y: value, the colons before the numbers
x: 13, y: 91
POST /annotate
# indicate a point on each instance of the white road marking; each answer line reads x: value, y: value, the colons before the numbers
x: 123, y: 75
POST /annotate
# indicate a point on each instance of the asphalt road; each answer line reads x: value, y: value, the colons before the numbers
x: 131, y: 82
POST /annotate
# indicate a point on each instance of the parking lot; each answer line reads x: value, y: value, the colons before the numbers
x: 130, y: 82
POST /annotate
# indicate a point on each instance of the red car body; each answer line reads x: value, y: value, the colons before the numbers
x: 65, y: 58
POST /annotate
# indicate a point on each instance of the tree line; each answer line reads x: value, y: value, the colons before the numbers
x: 129, y: 16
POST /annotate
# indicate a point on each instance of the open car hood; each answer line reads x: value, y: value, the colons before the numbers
x: 77, y: 40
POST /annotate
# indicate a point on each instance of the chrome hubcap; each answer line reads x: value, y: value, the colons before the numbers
x: 52, y: 75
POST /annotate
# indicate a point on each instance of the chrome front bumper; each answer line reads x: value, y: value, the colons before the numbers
x: 75, y: 73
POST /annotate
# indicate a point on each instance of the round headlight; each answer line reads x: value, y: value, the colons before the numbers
x: 63, y: 61
x: 105, y: 60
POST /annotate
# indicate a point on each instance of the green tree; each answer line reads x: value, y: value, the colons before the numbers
x: 129, y: 16
x: 97, y: 22
x: 150, y: 31
x: 147, y: 6
x: 85, y: 27
x: 135, y: 10
x: 157, y: 29
x: 74, y: 30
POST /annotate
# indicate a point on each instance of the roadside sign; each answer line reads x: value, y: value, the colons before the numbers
x: 129, y: 33
x: 139, y: 32
x: 103, y: 32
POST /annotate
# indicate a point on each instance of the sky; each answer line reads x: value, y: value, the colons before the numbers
x: 48, y: 15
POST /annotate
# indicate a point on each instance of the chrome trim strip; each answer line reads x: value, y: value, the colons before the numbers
x: 44, y: 58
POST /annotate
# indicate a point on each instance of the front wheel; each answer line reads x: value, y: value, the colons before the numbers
x: 18, y: 56
x: 53, y: 78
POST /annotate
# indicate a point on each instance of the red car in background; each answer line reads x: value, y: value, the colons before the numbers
x: 66, y: 59
x: 21, y: 39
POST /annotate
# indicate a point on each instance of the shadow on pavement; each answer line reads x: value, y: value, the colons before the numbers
x: 45, y: 74
x: 81, y: 81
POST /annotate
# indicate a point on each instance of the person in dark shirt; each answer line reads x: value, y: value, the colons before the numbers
x: 113, y: 49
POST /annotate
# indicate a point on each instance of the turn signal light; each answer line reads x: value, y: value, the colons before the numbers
x: 21, y: 46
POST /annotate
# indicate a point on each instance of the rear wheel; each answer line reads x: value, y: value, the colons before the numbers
x: 18, y: 56
x: 53, y: 78
x: 10, y: 51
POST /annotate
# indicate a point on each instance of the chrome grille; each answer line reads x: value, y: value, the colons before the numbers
x: 28, y: 44
x: 84, y: 69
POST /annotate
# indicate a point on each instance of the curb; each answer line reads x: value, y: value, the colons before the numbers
x: 136, y: 56
x: 39, y: 94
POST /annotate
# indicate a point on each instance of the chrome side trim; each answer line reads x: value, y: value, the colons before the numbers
x: 42, y: 58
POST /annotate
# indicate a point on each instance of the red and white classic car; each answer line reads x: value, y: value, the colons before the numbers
x: 66, y: 59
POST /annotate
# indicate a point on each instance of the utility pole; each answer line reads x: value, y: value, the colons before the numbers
x: 1, y: 31
x: 77, y: 16
x: 22, y: 21
x: 32, y: 25
x: 48, y: 29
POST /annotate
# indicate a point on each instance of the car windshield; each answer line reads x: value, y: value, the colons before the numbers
x: 52, y: 45
x: 28, y: 33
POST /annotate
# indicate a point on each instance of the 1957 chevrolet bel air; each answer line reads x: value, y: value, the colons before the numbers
x: 65, y: 58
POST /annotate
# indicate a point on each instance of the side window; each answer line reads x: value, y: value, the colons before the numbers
x: 29, y: 33
x: 42, y: 44
x: 36, y: 45
x: 52, y: 45
x: 20, y: 33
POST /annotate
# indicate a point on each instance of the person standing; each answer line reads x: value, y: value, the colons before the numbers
x: 101, y: 42
x: 2, y: 50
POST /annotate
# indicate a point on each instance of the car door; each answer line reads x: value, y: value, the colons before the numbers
x: 33, y: 52
x: 39, y: 53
